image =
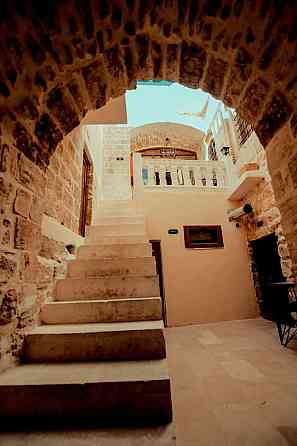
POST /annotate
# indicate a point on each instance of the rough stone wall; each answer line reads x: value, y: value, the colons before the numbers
x: 63, y: 184
x: 30, y: 263
x: 59, y: 59
x: 282, y: 162
x: 266, y: 218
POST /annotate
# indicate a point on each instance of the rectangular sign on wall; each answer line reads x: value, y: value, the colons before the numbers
x: 172, y: 231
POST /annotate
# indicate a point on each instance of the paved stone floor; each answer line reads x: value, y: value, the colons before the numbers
x: 233, y: 385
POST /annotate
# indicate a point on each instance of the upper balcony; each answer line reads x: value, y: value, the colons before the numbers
x: 179, y: 174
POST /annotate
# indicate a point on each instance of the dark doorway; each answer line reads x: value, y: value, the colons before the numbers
x: 267, y: 270
x: 156, y: 251
x: 85, y: 186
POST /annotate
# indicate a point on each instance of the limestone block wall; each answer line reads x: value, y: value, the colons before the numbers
x: 30, y: 262
x: 116, y: 161
x: 266, y: 218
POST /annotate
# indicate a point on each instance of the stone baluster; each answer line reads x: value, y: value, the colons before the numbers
x: 162, y: 173
x: 194, y: 179
x: 209, y: 176
x: 174, y: 175
x: 151, y: 175
x: 187, y: 178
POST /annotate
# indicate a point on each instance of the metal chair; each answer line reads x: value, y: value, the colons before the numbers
x: 284, y: 306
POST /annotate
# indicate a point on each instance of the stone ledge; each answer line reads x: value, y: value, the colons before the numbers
x: 52, y: 229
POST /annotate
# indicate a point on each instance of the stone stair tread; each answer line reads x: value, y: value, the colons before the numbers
x: 96, y: 327
x: 118, y: 298
x: 84, y: 372
x: 103, y: 301
x: 105, y: 275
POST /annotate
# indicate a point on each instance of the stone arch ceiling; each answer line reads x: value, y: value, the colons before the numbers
x: 60, y: 58
x: 180, y: 136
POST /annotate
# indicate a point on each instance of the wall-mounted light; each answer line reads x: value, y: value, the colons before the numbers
x: 225, y: 150
x: 167, y: 152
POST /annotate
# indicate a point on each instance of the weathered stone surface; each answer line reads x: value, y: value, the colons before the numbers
x: 277, y: 113
x: 23, y: 202
x: 293, y: 170
x: 172, y: 71
x: 25, y: 143
x: 293, y: 124
x: 51, y: 249
x: 27, y: 235
x: 7, y: 159
x: 7, y: 232
x: 8, y: 305
x: 62, y: 108
x: 268, y: 54
x: 193, y: 60
x: 7, y: 194
x: 47, y: 133
x: 254, y: 98
x: 8, y: 266
x: 94, y: 76
x: 279, y: 186
x: 215, y: 76
x: 114, y: 63
x: 30, y: 176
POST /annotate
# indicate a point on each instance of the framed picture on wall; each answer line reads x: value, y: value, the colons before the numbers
x: 203, y: 236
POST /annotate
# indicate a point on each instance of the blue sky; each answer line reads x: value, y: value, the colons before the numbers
x: 151, y: 103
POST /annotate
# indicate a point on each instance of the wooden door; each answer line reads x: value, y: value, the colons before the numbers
x: 269, y: 270
x: 84, y: 194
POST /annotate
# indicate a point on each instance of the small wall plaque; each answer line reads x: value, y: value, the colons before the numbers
x: 172, y: 231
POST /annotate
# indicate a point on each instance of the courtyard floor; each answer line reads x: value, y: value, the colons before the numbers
x: 233, y: 384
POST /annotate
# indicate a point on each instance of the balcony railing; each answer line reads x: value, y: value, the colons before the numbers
x: 171, y: 173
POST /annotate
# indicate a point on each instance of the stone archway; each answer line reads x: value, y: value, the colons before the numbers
x: 59, y: 59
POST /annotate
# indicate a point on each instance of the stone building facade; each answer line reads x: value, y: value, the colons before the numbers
x: 58, y: 60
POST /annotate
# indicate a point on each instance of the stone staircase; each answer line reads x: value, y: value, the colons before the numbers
x: 100, y: 353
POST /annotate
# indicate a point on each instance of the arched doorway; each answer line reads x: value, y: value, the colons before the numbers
x: 61, y: 59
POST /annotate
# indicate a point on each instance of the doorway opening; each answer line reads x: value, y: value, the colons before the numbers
x: 86, y: 192
x: 156, y: 252
x: 267, y: 270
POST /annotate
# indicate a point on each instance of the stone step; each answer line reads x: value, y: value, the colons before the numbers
x: 116, y: 239
x: 125, y: 229
x: 116, y: 213
x: 92, y: 311
x: 116, y: 287
x: 93, y: 342
x: 117, y: 204
x: 105, y: 251
x: 111, y: 267
x: 138, y: 219
x: 100, y: 393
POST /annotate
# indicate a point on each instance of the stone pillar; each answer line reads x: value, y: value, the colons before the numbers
x: 138, y: 187
x: 116, y: 170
